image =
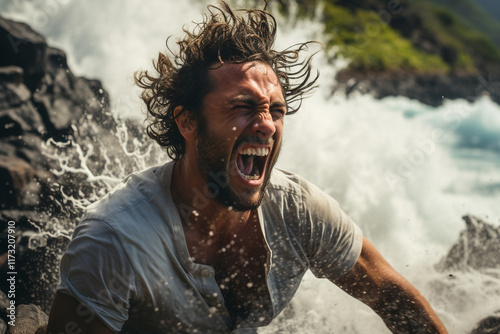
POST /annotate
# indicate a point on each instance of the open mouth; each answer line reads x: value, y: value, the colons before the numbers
x: 251, y: 162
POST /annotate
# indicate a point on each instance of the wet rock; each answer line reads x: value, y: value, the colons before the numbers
x: 38, y: 264
x: 23, y: 47
x: 489, y: 325
x: 30, y: 319
x: 430, y: 89
x: 17, y: 113
x: 42, y: 102
x: 16, y: 175
x: 4, y: 303
x: 12, y: 74
x: 477, y: 247
x: 40, y: 242
x: 51, y: 121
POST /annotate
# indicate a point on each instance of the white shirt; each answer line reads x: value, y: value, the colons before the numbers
x: 129, y: 264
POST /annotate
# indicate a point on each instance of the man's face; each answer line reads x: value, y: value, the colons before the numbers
x: 240, y: 135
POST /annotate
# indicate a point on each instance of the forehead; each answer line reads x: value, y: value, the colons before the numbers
x: 250, y: 77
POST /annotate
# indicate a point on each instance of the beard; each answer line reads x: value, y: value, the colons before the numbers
x: 214, y: 159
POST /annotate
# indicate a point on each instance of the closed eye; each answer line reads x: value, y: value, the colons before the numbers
x: 245, y: 107
x: 278, y: 112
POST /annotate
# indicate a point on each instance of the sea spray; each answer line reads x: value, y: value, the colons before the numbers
x: 405, y: 172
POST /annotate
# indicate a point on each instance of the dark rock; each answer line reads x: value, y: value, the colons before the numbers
x: 14, y: 93
x: 4, y: 303
x: 57, y: 118
x: 17, y: 113
x: 99, y: 92
x: 13, y: 74
x: 38, y: 273
x: 477, y: 247
x: 430, y: 89
x: 30, y: 319
x: 40, y: 100
x: 11, y: 126
x: 489, y: 325
x: 50, y: 125
x: 16, y: 175
x: 23, y: 47
x: 40, y: 243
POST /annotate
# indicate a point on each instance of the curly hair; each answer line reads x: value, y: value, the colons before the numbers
x: 222, y: 37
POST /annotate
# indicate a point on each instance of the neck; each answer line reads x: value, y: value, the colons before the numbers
x: 198, y: 210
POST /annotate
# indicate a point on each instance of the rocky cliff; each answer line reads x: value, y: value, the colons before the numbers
x: 477, y: 248
x: 425, y: 50
x: 41, y: 102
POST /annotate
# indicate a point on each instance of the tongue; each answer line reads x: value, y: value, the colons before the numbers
x: 245, y: 165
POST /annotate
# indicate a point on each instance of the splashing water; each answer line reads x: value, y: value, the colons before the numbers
x: 404, y: 171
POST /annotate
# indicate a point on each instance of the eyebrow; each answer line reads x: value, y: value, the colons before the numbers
x: 251, y: 101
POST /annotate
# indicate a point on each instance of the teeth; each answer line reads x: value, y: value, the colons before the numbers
x: 259, y: 151
x: 256, y: 151
x: 249, y: 177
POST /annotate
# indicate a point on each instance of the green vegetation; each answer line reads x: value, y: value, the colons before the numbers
x: 473, y: 15
x: 372, y: 44
x: 469, y: 45
x: 424, y: 36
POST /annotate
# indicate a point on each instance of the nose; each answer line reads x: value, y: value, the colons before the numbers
x: 264, y: 126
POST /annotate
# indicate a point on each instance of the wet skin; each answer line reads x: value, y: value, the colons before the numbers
x: 244, y: 110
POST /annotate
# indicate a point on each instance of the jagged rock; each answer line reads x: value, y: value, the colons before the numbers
x: 30, y: 319
x: 4, y: 303
x: 477, y: 247
x: 38, y: 264
x: 41, y: 99
x: 16, y: 174
x: 39, y: 246
x: 17, y: 113
x: 12, y: 74
x: 489, y: 325
x: 430, y: 89
x: 23, y: 47
x: 52, y: 97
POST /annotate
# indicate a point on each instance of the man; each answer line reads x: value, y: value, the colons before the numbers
x: 216, y: 241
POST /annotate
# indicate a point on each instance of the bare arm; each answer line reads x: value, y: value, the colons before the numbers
x: 374, y: 282
x: 69, y: 316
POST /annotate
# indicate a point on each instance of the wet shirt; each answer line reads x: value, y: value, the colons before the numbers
x: 129, y: 264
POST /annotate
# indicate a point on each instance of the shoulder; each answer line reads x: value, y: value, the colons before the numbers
x: 304, y: 205
x: 135, y: 190
x: 283, y: 181
x: 299, y: 203
x: 287, y: 184
x: 137, y: 212
x: 93, y: 237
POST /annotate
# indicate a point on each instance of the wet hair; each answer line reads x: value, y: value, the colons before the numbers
x: 183, y: 78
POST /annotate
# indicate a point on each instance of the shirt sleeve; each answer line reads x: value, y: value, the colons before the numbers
x: 96, y: 271
x: 335, y: 241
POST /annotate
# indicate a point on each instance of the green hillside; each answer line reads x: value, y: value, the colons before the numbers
x: 475, y: 16
x: 376, y: 46
x: 418, y: 36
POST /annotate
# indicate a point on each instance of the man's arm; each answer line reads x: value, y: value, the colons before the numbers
x: 374, y: 282
x: 69, y: 316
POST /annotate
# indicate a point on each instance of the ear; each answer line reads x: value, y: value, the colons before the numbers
x: 185, y: 125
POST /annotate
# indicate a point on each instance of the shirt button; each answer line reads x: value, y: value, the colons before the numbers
x: 205, y: 272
